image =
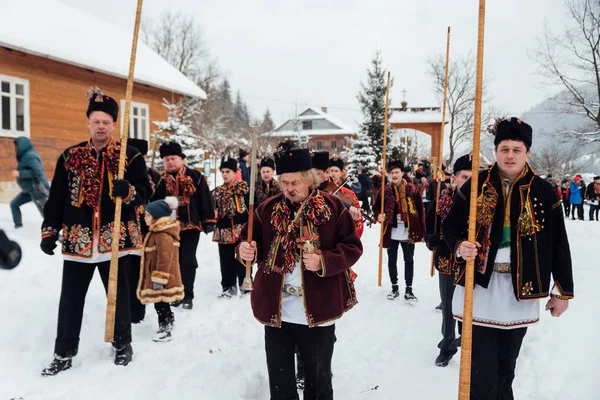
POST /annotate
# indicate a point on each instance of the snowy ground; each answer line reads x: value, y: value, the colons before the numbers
x: 217, y: 351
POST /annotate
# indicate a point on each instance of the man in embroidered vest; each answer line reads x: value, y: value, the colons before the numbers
x: 443, y: 258
x: 232, y: 214
x: 521, y: 244
x: 305, y: 244
x: 404, y: 219
x: 195, y: 212
x: 82, y: 205
x: 267, y: 187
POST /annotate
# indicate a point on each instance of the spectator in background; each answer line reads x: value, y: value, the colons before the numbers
x: 30, y: 178
x: 366, y: 185
x: 575, y: 198
x: 244, y: 169
x: 593, y: 197
x: 566, y: 196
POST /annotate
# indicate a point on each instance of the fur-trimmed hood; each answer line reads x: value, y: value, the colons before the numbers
x: 167, y: 225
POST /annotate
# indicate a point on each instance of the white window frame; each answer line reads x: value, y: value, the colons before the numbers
x: 13, y: 132
x: 139, y: 106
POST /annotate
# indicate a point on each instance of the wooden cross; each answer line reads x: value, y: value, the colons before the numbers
x: 304, y: 242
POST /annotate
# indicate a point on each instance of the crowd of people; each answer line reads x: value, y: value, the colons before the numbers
x: 306, y: 237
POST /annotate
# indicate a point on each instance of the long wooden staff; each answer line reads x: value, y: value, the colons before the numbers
x: 114, y: 261
x: 440, y: 173
x: 383, y: 172
x: 467, y: 331
x: 248, y: 284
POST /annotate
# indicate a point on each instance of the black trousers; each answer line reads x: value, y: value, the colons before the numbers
x: 316, y: 349
x: 567, y: 206
x: 579, y: 209
x: 447, y: 345
x: 188, y: 244
x: 594, y: 209
x: 138, y: 310
x: 165, y: 315
x: 365, y: 205
x: 231, y: 268
x: 494, y: 358
x: 75, y: 283
x: 408, y: 252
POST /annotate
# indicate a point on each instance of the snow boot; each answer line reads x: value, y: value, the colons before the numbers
x: 187, y: 304
x: 164, y: 333
x: 394, y: 294
x: 409, y: 295
x: 443, y: 359
x: 57, y: 365
x: 228, y: 293
x: 124, y: 356
x: 17, y: 226
x: 458, y: 341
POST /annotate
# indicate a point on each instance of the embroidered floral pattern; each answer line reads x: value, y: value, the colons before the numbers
x: 135, y: 233
x: 77, y: 240
x: 262, y: 193
x: 444, y: 265
x: 486, y: 206
x: 444, y: 203
x: 227, y: 235
x: 48, y: 231
x: 527, y: 289
x: 230, y: 199
x: 106, y: 238
x: 181, y: 186
x: 75, y: 189
x: 528, y: 225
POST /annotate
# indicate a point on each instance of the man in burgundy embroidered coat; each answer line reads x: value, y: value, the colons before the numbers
x: 521, y: 243
x: 195, y: 212
x: 82, y: 205
x: 305, y: 243
x: 443, y: 258
x: 404, y: 219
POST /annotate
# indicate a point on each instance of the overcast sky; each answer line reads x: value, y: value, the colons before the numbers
x: 315, y: 52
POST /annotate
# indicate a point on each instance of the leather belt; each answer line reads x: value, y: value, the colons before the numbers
x: 292, y: 290
x: 502, y: 268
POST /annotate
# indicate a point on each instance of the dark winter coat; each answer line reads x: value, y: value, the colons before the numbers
x: 85, y: 214
x: 264, y: 191
x: 245, y: 171
x: 160, y: 264
x: 443, y: 258
x: 591, y: 192
x: 366, y: 186
x: 539, y: 244
x: 414, y: 218
x: 327, y: 293
x: 31, y: 170
x: 195, y: 209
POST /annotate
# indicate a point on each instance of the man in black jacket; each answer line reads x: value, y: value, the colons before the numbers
x: 521, y: 244
x: 443, y: 257
x: 593, y: 196
x: 82, y: 204
x: 244, y: 168
x: 195, y: 213
x: 366, y: 186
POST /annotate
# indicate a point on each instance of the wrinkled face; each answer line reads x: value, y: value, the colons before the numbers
x: 295, y: 187
x: 512, y: 155
x: 461, y: 177
x: 321, y: 174
x: 101, y: 127
x: 173, y: 163
x: 335, y: 173
x: 266, y: 174
x: 228, y: 175
x: 148, y: 218
x: 396, y: 175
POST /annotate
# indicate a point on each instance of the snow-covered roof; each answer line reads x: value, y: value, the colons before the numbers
x: 311, y: 115
x: 414, y: 115
x: 51, y: 29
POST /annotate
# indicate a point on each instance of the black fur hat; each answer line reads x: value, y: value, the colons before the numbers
x: 320, y: 160
x: 393, y: 164
x: 463, y: 163
x: 337, y: 162
x: 140, y: 144
x: 511, y: 129
x: 171, y: 149
x: 99, y: 102
x: 288, y: 159
x: 230, y: 163
x: 267, y: 162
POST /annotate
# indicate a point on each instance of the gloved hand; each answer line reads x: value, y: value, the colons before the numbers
x: 121, y: 188
x: 48, y: 244
x: 434, y: 241
x: 208, y: 227
x: 157, y: 286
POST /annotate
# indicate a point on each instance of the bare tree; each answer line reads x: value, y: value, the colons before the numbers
x: 460, y: 102
x: 556, y: 159
x: 571, y: 60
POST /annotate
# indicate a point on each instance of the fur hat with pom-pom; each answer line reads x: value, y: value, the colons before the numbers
x: 172, y: 202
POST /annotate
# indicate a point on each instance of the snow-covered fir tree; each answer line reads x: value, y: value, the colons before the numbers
x: 361, y: 154
x: 177, y: 128
x: 372, y: 104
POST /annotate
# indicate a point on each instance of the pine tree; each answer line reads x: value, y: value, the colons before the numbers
x: 177, y: 128
x: 361, y: 154
x: 267, y: 124
x: 372, y: 103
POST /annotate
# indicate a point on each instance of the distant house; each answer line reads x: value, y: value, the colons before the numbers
x: 324, y: 132
x: 50, y: 53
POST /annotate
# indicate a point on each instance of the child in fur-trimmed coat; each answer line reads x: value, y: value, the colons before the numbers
x: 160, y: 278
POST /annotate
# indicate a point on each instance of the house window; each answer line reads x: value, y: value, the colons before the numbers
x: 306, y: 125
x: 14, y: 106
x: 319, y: 145
x: 333, y: 145
x: 139, y: 120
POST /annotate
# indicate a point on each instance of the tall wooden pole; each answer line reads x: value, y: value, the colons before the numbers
x: 440, y: 173
x: 114, y: 262
x: 383, y: 172
x: 248, y: 284
x: 467, y: 332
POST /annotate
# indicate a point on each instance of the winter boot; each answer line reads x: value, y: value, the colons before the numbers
x: 57, y: 365
x: 164, y: 332
x: 19, y: 225
x: 187, y: 304
x: 228, y: 293
x: 458, y: 341
x: 408, y: 294
x: 443, y: 359
x: 176, y: 303
x: 124, y: 356
x: 394, y: 294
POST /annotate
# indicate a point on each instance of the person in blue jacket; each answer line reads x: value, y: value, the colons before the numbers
x: 30, y: 178
x: 575, y: 198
